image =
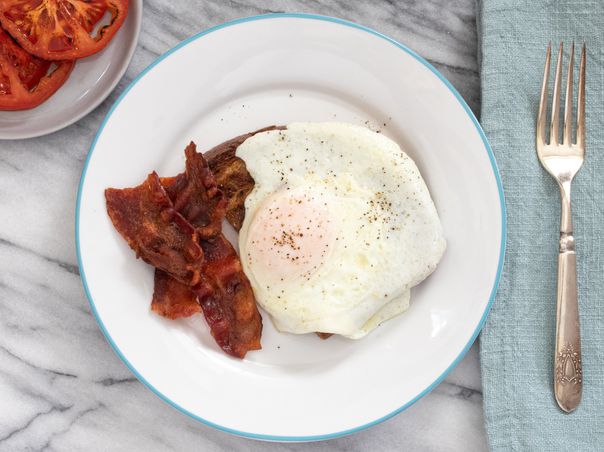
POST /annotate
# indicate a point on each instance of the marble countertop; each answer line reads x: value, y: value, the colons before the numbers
x: 61, y: 386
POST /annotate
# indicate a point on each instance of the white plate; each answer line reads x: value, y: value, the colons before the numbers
x: 90, y: 82
x: 277, y: 69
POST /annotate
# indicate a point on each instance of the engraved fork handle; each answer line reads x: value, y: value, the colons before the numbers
x: 568, y: 378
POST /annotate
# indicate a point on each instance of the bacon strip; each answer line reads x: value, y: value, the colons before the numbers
x: 173, y: 299
x: 227, y: 300
x: 225, y: 294
x: 145, y: 217
x: 196, y: 196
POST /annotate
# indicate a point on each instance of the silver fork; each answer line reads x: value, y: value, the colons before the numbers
x: 562, y: 160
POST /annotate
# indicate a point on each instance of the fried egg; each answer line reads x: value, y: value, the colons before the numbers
x: 338, y: 228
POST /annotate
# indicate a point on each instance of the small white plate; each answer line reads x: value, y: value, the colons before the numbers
x: 90, y: 82
x: 277, y: 69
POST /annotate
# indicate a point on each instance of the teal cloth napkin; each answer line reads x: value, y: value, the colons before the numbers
x: 517, y: 342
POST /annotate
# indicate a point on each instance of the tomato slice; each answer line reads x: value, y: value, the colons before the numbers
x: 25, y: 81
x: 62, y: 29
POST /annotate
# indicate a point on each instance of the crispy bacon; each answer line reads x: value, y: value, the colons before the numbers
x: 173, y: 299
x: 158, y: 234
x: 174, y: 224
x: 196, y: 196
x: 224, y: 293
x: 227, y: 299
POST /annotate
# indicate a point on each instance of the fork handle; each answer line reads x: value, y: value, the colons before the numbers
x: 568, y: 370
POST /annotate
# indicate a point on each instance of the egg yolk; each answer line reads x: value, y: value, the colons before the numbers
x: 291, y: 236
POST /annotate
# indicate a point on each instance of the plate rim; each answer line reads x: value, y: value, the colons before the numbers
x: 494, y: 167
x: 138, y: 18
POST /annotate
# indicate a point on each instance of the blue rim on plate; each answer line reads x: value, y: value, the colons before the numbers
x: 501, y: 249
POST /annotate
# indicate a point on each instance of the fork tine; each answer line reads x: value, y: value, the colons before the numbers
x: 581, y: 102
x: 543, y: 102
x: 568, y: 102
x: 555, y: 125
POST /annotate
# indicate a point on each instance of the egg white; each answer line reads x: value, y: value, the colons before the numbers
x: 379, y: 234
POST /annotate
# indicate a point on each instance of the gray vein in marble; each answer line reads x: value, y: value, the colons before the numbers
x: 10, y: 165
x: 32, y: 420
x: 53, y: 372
x: 110, y: 381
x: 70, y: 268
x: 238, y: 4
x: 147, y: 50
x: 457, y: 69
x: 80, y: 415
x: 460, y: 392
